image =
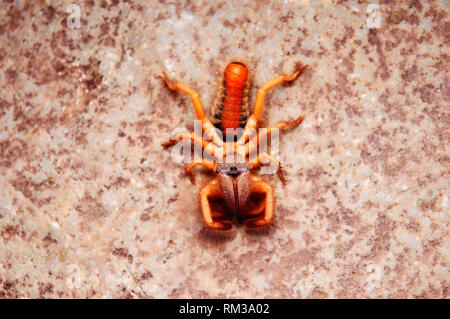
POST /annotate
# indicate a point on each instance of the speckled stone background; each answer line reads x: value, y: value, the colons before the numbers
x: 92, y: 206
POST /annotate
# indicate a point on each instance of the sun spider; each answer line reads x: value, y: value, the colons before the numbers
x: 234, y: 183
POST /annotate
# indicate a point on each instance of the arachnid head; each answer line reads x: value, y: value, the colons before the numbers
x: 234, y: 181
x: 233, y: 170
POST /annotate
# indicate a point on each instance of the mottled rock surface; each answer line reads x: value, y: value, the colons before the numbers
x: 92, y: 206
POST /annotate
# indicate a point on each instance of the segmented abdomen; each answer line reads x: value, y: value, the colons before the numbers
x: 231, y: 108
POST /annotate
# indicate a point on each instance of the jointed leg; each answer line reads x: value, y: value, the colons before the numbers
x: 261, y: 95
x: 262, y: 187
x: 254, y: 142
x: 207, y: 146
x: 183, y: 88
x: 209, y: 165
x: 253, y: 120
x: 209, y: 190
x: 198, y: 106
x: 249, y: 130
x: 264, y: 156
x: 211, y: 131
x: 188, y: 136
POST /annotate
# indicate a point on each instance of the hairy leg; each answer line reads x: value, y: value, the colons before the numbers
x: 254, y: 142
x: 208, y: 147
x: 261, y: 94
x: 208, y: 164
x: 185, y: 89
x: 208, y: 127
x: 187, y: 136
x: 253, y: 120
x: 258, y: 161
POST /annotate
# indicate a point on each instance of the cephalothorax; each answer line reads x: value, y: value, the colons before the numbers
x: 231, y: 132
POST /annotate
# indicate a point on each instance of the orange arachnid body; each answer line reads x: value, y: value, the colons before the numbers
x: 234, y: 191
x: 235, y: 83
x: 230, y: 110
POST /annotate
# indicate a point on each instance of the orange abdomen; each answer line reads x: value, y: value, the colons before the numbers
x: 235, y: 81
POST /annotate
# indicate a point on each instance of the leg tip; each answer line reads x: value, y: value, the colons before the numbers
x: 298, y: 70
x: 299, y: 120
x: 167, y: 81
x: 163, y: 76
x: 295, y: 122
x: 168, y: 143
x: 281, y: 175
x: 300, y: 67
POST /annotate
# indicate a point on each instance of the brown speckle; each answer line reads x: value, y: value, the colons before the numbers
x: 123, y: 252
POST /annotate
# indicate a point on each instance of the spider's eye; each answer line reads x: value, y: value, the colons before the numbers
x: 233, y: 168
